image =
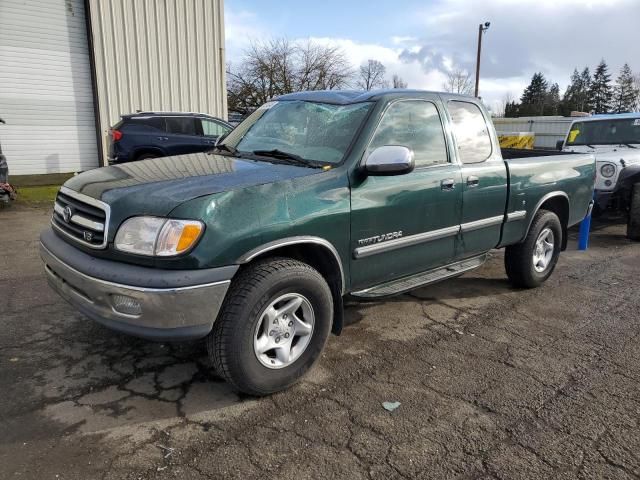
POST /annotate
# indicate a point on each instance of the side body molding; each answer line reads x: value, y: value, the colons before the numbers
x: 286, y: 242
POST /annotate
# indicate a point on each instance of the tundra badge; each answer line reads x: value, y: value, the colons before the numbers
x: 380, y: 238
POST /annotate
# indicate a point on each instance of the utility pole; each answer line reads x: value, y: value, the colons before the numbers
x: 483, y: 27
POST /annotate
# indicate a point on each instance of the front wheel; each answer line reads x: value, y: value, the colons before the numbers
x: 273, y: 326
x: 633, y: 225
x: 531, y: 262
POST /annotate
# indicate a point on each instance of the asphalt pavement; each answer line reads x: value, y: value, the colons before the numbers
x: 492, y: 383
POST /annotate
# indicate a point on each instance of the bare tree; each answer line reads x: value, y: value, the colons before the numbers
x: 371, y: 76
x: 458, y: 81
x: 397, y: 82
x: 276, y: 67
x: 322, y: 68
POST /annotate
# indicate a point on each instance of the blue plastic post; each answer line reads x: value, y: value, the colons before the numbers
x: 583, y: 237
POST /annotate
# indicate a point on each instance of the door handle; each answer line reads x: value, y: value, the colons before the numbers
x: 448, y: 184
x: 472, y: 181
x: 163, y: 138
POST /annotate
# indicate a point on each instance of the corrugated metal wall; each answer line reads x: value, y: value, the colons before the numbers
x: 45, y: 87
x: 161, y: 55
x: 548, y: 130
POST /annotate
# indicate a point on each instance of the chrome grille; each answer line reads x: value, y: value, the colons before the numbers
x: 81, y: 218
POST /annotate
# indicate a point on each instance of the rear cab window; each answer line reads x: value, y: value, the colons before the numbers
x: 471, y: 131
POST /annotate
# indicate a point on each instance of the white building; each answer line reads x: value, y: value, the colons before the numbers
x: 69, y: 68
x: 547, y: 130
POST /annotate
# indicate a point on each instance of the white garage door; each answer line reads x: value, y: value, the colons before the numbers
x: 45, y: 87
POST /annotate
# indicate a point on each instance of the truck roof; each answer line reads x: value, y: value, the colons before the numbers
x: 346, y: 97
x: 607, y: 116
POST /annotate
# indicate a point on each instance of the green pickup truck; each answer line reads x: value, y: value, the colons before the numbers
x: 314, y: 197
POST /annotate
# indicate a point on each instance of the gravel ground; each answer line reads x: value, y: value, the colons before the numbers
x: 492, y: 383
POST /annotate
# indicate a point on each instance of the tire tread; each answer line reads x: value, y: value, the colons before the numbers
x: 633, y: 225
x: 218, y: 341
x: 517, y: 258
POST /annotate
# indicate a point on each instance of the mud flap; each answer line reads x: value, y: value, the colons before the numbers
x: 338, y: 314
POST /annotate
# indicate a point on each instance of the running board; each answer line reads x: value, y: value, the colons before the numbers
x: 405, y: 284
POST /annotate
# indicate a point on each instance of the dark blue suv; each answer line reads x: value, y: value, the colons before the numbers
x: 159, y: 134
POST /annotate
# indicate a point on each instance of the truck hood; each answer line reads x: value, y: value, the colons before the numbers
x: 611, y: 153
x: 158, y: 185
x: 620, y: 156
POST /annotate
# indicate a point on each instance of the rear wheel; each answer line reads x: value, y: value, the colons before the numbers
x: 633, y: 225
x: 272, y: 327
x: 531, y: 262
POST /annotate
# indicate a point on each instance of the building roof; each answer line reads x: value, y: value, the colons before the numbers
x: 345, y: 97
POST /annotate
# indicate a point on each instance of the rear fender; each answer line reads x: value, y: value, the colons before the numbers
x: 558, y: 203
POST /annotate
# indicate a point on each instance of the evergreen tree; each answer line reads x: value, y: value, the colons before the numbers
x: 577, y: 94
x: 511, y: 109
x: 625, y: 93
x: 601, y: 93
x: 585, y: 104
x: 552, y: 103
x: 535, y: 95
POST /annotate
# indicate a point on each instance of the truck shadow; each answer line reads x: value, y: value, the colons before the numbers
x: 462, y: 288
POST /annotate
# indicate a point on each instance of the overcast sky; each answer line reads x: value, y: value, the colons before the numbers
x: 421, y: 40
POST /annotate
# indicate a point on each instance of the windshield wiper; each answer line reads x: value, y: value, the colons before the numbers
x: 226, y: 148
x: 287, y: 157
x: 629, y: 145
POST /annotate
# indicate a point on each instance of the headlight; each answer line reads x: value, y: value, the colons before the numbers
x: 157, y: 236
x: 608, y: 170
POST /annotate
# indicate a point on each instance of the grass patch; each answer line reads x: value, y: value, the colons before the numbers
x: 45, y: 194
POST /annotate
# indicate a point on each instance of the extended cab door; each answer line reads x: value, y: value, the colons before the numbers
x: 405, y: 224
x: 484, y: 178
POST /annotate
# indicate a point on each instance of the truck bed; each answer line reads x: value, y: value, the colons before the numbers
x: 535, y: 175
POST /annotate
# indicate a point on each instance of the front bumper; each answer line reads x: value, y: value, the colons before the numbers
x: 171, y: 312
x: 602, y: 198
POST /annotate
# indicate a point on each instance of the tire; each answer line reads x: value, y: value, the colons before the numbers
x: 633, y: 224
x: 239, y: 332
x: 523, y: 269
x: 146, y: 156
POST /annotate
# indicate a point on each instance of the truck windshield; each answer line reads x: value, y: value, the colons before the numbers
x: 314, y: 131
x: 605, y: 132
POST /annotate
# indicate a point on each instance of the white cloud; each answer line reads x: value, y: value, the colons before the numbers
x: 403, y: 40
x: 411, y: 72
x: 526, y: 36
x: 241, y: 28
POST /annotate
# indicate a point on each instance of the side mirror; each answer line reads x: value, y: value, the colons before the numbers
x: 389, y: 160
x: 559, y: 145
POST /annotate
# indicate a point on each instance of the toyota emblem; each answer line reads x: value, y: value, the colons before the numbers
x: 67, y: 213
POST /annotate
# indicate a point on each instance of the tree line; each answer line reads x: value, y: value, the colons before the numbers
x: 595, y: 93
x: 278, y: 66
